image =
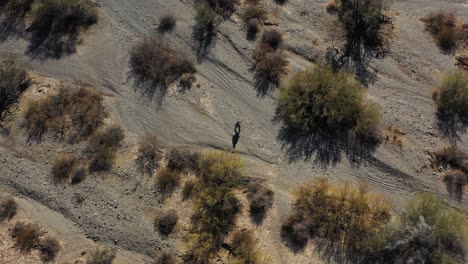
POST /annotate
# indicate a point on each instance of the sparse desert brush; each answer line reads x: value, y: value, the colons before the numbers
x: 149, y: 153
x: 348, y: 217
x: 183, y: 161
x: 101, y: 256
x: 26, y: 235
x: 167, y: 181
x: 8, y: 208
x: 322, y: 101
x: 261, y: 200
x: 103, y: 146
x: 189, y: 187
x: 13, y: 81
x: 167, y: 23
x: 272, y: 38
x: 49, y: 248
x: 254, y: 12
x: 165, y: 258
x: 155, y: 65
x: 206, y: 25
x: 453, y: 96
x: 452, y: 156
x: 395, y: 136
x: 444, y: 28
x: 165, y: 222
x: 63, y: 167
x: 72, y: 112
x: 245, y: 249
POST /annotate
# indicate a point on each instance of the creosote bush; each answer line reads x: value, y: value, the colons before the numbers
x: 261, y: 200
x: 348, y: 218
x: 149, y: 153
x: 63, y: 167
x: 72, y: 112
x: 166, y: 23
x: 13, y: 81
x: 8, y: 208
x: 245, y: 249
x: 167, y: 181
x: 26, y: 236
x: 443, y: 27
x: 49, y: 248
x: 101, y: 256
x: 333, y: 104
x: 452, y: 99
x: 155, y: 65
x: 165, y: 222
x: 183, y: 161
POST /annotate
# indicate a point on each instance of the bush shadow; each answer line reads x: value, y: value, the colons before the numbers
x: 450, y: 125
x: 204, y: 39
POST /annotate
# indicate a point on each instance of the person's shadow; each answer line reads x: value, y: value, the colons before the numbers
x: 236, y: 136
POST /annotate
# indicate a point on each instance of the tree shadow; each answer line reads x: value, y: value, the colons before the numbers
x: 450, y: 125
x: 12, y: 22
x: 204, y: 39
x: 325, y: 149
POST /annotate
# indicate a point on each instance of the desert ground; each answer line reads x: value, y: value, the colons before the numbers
x: 118, y: 207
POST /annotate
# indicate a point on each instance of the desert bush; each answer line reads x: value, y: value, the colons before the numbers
x: 261, y: 200
x: 254, y: 12
x: 103, y: 147
x: 348, y: 218
x: 63, y: 167
x: 149, y: 153
x: 183, y: 161
x: 165, y: 222
x: 270, y: 66
x: 165, y: 258
x: 13, y: 81
x: 73, y: 112
x: 453, y: 96
x: 167, y: 181
x: 78, y: 175
x: 252, y: 28
x: 155, y: 66
x: 205, y: 28
x: 167, y: 23
x: 428, y: 232
x: 452, y: 156
x: 8, y: 208
x: 443, y: 27
x: 245, y: 249
x: 272, y: 38
x: 26, y: 236
x: 223, y: 7
x: 56, y: 25
x: 49, y: 248
x: 101, y: 256
x: 322, y: 101
x: 189, y: 187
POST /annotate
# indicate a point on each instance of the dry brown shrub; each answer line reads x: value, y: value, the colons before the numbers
x: 188, y: 189
x: 183, y: 161
x: 167, y: 181
x: 101, y: 256
x: 254, y: 12
x: 63, y: 167
x: 165, y: 222
x: 8, y: 208
x: 103, y: 147
x: 165, y: 258
x: 26, y: 236
x: 270, y: 65
x: 49, y: 248
x: 261, y: 200
x: 149, y: 153
x: 445, y: 29
x: 73, y: 113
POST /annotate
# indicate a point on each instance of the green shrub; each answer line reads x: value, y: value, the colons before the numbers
x: 13, y: 81
x: 322, y: 101
x: 347, y: 217
x: 8, y: 208
x: 452, y: 156
x: 149, y: 153
x: 72, y: 112
x: 155, y: 65
x: 165, y: 222
x: 453, y: 96
x: 26, y: 236
x: 254, y: 12
x: 101, y: 256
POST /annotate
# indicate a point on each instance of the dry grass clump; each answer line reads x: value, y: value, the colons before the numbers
x: 165, y: 222
x: 8, y: 208
x: 155, y: 65
x: 166, y: 23
x: 49, y: 248
x: 322, y: 101
x: 26, y: 236
x: 452, y: 99
x: 183, y: 161
x: 13, y: 81
x: 101, y: 256
x: 245, y: 249
x: 445, y: 29
x: 348, y: 218
x: 165, y: 258
x: 149, y: 153
x: 216, y: 207
x: 261, y: 200
x: 72, y: 112
x: 63, y: 167
x: 103, y: 147
x: 167, y: 181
